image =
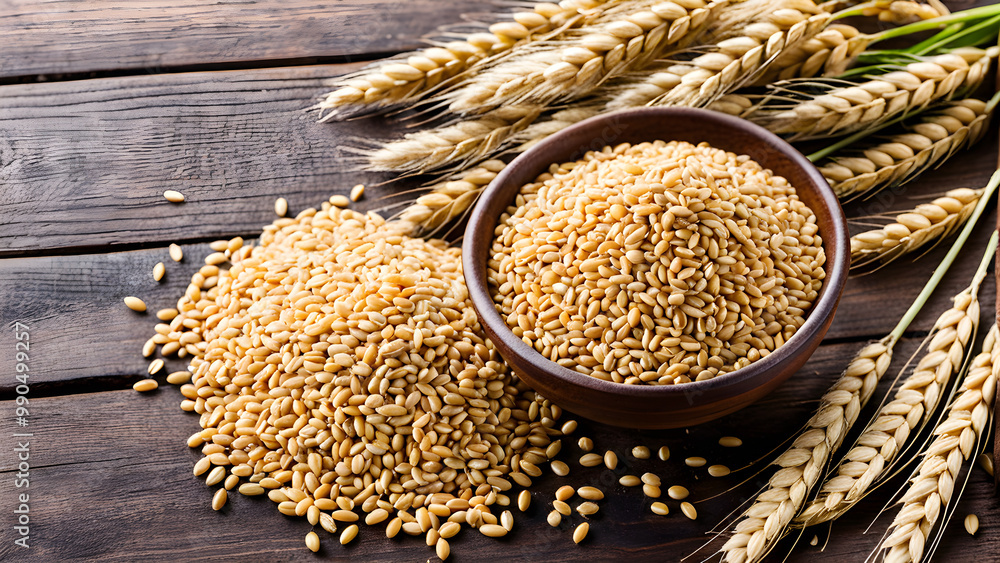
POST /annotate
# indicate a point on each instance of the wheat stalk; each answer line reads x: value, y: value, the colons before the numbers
x: 455, y: 145
x: 914, y: 229
x: 843, y: 109
x: 406, y: 77
x: 931, y: 489
x: 897, y: 159
x: 767, y: 519
x: 874, y: 452
x: 587, y: 57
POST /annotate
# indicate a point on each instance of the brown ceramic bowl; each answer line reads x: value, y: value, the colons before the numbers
x: 671, y: 406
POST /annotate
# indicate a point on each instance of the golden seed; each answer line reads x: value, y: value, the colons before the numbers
x: 565, y: 492
x: 523, y: 500
x: 695, y: 461
x: 629, y: 480
x: 814, y: 540
x: 339, y: 200
x: 348, y: 534
x: 215, y: 476
x: 730, y: 442
x: 441, y: 548
x: 376, y: 516
x: 281, y: 207
x: 568, y: 427
x: 585, y: 443
x: 173, y: 196
x: 179, y: 377
x: 640, y: 452
x: 145, y: 385
x: 202, y: 465
x: 587, y: 508
x: 344, y: 515
x: 135, y: 304
x: 216, y: 258
x: 159, y: 270
x: 148, y: 348
x: 590, y: 493
x: 390, y: 530
x: 561, y: 507
x: 176, y: 254
x: 559, y: 468
x: 507, y: 520
x: 688, y: 509
x: 554, y: 518
x: 660, y: 508
x: 219, y: 499
x: 972, y: 524
x: 449, y: 529
x: 166, y: 315
x: 312, y: 542
x: 219, y: 245
x: 251, y: 489
x: 718, y: 470
x: 493, y: 530
x: 591, y: 460
x: 651, y: 479
x: 357, y: 192
x: 664, y: 453
x: 580, y: 532
x: 610, y: 460
x: 155, y: 366
x: 677, y: 492
x: 651, y: 491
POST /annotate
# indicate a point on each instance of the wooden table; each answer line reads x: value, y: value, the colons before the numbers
x: 103, y: 106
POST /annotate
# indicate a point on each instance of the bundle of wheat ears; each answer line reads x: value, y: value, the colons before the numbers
x: 799, y: 69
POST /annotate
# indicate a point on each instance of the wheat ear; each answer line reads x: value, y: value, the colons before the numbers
x: 847, y: 109
x: 449, y: 199
x: 828, y: 53
x: 736, y: 61
x: 915, y: 229
x: 404, y: 78
x: 932, y: 485
x: 893, y: 160
x: 870, y: 460
x: 453, y: 146
x: 767, y: 519
x: 587, y: 57
x: 801, y: 466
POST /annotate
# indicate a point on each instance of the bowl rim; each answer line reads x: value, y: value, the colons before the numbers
x: 479, y: 227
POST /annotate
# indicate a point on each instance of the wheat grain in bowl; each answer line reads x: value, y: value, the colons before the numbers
x: 656, y: 263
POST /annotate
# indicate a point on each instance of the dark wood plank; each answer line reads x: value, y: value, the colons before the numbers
x: 76, y: 36
x: 73, y: 305
x: 111, y: 480
x: 84, y: 164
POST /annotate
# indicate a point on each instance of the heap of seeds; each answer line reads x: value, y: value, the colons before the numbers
x: 659, y: 263
x: 339, y: 365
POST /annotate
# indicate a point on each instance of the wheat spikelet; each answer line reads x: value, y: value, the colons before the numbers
x: 449, y: 199
x: 898, y: 158
x: 406, y: 77
x: 455, y: 145
x: 801, y: 466
x: 735, y: 61
x: 871, y: 458
x: 915, y: 229
x: 828, y: 53
x: 843, y: 109
x: 932, y: 485
x: 900, y: 12
x: 587, y: 57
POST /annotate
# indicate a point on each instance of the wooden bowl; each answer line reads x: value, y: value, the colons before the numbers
x: 669, y: 406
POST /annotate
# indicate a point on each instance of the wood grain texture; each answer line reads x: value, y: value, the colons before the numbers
x: 84, y: 164
x: 111, y: 480
x: 145, y: 36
